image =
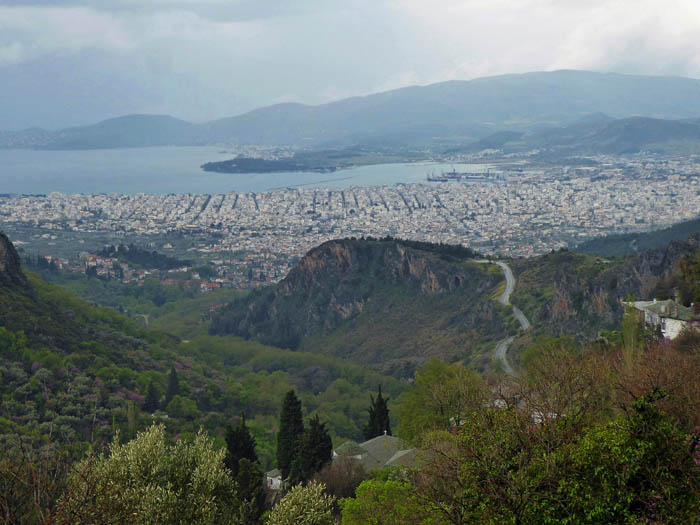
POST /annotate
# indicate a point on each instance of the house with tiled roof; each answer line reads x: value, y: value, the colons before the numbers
x: 379, y: 452
x: 670, y: 316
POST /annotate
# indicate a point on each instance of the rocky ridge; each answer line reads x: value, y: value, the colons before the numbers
x: 10, y: 269
x: 375, y: 302
x: 577, y: 294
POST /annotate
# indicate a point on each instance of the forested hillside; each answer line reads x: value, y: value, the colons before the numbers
x: 388, y: 303
x: 78, y: 373
x: 580, y: 294
x: 633, y: 243
x: 590, y: 432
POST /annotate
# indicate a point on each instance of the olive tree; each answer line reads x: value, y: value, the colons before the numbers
x: 148, y: 481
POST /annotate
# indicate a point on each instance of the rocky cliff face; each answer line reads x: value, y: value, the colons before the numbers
x: 376, y: 301
x: 651, y: 266
x: 392, y: 262
x: 10, y: 269
x: 571, y: 293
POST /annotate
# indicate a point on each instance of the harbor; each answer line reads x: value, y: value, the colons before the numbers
x: 467, y: 176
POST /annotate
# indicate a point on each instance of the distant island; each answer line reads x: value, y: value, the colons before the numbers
x: 324, y: 161
x: 257, y: 165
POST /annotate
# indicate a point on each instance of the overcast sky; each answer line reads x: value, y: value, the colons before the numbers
x: 71, y: 62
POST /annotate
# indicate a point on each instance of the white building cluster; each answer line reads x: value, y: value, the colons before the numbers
x: 526, y: 215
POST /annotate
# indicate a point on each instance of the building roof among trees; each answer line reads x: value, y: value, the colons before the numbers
x: 381, y: 451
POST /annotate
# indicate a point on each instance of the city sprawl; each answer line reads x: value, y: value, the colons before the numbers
x: 531, y: 212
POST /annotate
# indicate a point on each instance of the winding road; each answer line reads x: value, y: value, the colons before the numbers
x: 505, y: 296
x: 502, y: 346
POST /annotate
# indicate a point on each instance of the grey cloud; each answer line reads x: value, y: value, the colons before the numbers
x: 223, y: 10
x: 201, y: 59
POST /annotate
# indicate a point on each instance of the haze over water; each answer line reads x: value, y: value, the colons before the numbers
x: 177, y: 170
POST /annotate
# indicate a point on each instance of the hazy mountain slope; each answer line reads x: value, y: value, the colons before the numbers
x: 128, y: 131
x: 390, y: 304
x: 634, y: 134
x: 632, y: 243
x: 457, y: 110
x: 464, y: 108
x: 599, y: 136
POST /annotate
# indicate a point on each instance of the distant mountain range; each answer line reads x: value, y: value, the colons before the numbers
x: 455, y: 112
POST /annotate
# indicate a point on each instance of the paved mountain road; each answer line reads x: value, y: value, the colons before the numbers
x: 505, y: 296
x: 502, y: 347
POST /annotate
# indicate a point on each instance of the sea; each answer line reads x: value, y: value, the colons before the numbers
x: 177, y: 170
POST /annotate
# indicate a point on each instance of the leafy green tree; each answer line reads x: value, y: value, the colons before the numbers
x: 442, y: 396
x: 303, y: 505
x: 131, y: 419
x: 378, y: 422
x: 639, y: 468
x: 491, y: 471
x: 182, y: 407
x: 634, y: 334
x: 341, y: 476
x: 291, y: 430
x: 152, y: 401
x: 147, y: 481
x: 173, y: 386
x: 690, y: 271
x: 314, y: 452
x: 242, y: 462
x: 12, y: 344
x: 240, y: 444
x: 31, y: 481
x: 389, y: 502
x: 560, y: 384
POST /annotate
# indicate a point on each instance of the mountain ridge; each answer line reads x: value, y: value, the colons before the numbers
x: 391, y: 305
x: 10, y: 269
x: 457, y: 110
x: 346, y: 297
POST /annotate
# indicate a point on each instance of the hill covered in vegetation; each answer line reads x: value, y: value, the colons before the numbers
x: 580, y: 294
x: 601, y: 432
x: 632, y: 243
x: 392, y: 304
x: 386, y: 303
x: 76, y: 373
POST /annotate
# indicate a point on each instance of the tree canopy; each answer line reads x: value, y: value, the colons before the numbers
x: 148, y: 481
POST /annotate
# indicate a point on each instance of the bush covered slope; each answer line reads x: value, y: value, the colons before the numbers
x: 579, y: 294
x: 386, y: 303
x: 78, y: 373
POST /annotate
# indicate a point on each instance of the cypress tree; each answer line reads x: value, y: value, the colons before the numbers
x: 249, y: 485
x: 242, y: 462
x: 173, y: 386
x: 151, y: 403
x: 239, y: 445
x: 378, y: 421
x: 290, y: 432
x: 315, y: 450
